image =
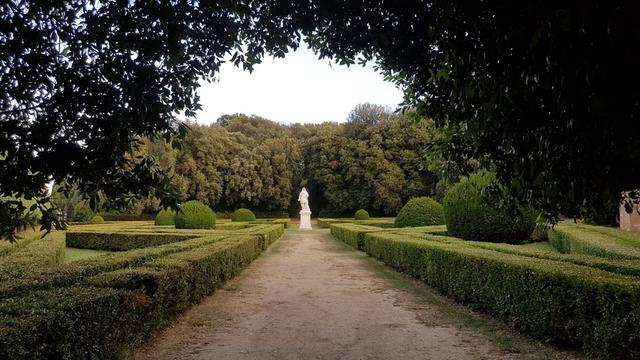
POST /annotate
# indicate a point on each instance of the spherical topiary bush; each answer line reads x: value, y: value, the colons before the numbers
x: 361, y: 214
x: 243, y: 214
x: 195, y: 215
x: 97, y: 220
x: 420, y: 211
x: 165, y: 217
x: 471, y: 214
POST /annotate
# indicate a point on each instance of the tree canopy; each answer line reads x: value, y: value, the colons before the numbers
x: 545, y: 92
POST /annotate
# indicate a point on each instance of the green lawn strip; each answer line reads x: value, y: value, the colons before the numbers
x: 36, y: 277
x: 386, y: 222
x: 574, y: 239
x: 72, y: 254
x: 557, y: 301
x: 37, y: 254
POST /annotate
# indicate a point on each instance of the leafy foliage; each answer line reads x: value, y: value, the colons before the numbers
x: 543, y: 92
x: 472, y: 213
x: 421, y: 211
x: 361, y: 214
x: 195, y: 215
x: 374, y: 161
x: 243, y: 214
x: 165, y: 217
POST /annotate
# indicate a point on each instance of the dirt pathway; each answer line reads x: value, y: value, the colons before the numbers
x: 311, y: 297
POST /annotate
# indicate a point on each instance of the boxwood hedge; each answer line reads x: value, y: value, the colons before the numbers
x: 120, y: 241
x: 568, y: 304
x: 195, y: 215
x: 101, y: 307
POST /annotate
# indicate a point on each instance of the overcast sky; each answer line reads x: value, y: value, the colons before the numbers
x: 298, y: 88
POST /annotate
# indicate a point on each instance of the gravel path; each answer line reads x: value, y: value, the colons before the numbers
x: 312, y: 297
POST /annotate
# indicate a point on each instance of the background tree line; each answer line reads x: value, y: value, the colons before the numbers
x: 377, y: 160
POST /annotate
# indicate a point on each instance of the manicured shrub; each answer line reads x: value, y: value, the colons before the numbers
x: 195, y: 215
x: 472, y: 215
x: 165, y: 217
x: 421, y: 211
x: 97, y: 219
x: 243, y: 214
x: 361, y: 214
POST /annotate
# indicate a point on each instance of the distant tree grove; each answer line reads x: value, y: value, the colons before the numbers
x: 376, y: 160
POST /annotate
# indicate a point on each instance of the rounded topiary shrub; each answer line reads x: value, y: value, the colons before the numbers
x: 165, y: 217
x: 243, y: 214
x: 97, y: 220
x: 195, y: 215
x: 361, y: 214
x: 420, y: 211
x: 471, y: 214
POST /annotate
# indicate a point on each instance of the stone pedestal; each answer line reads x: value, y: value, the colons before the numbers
x: 629, y: 222
x: 305, y: 220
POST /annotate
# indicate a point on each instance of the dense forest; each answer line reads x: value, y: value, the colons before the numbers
x: 376, y: 160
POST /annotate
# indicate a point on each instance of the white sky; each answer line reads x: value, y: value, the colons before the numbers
x: 298, y: 88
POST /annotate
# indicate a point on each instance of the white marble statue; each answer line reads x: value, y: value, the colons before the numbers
x: 305, y: 213
x: 304, y: 200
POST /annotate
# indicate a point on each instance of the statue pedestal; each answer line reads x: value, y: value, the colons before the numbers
x: 305, y: 220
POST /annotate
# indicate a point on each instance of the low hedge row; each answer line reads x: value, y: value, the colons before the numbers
x: 267, y: 233
x: 112, y: 311
x: 378, y: 222
x: 557, y: 301
x: 38, y: 253
x: 283, y: 222
x: 36, y: 277
x: 68, y: 323
x: 620, y: 266
x: 119, y: 241
x: 352, y: 234
x: 577, y: 239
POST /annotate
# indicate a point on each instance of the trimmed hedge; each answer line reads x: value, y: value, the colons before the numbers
x: 361, y: 214
x: 68, y: 323
x: 421, y: 211
x: 120, y: 241
x: 108, y: 304
x: 36, y: 254
x: 165, y: 217
x: 557, y: 301
x: 352, y: 234
x: 379, y: 222
x: 35, y: 277
x: 195, y: 215
x: 97, y: 219
x: 471, y: 215
x: 582, y: 239
x: 118, y: 309
x: 243, y: 214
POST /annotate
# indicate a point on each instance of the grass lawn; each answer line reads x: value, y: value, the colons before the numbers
x: 72, y: 254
